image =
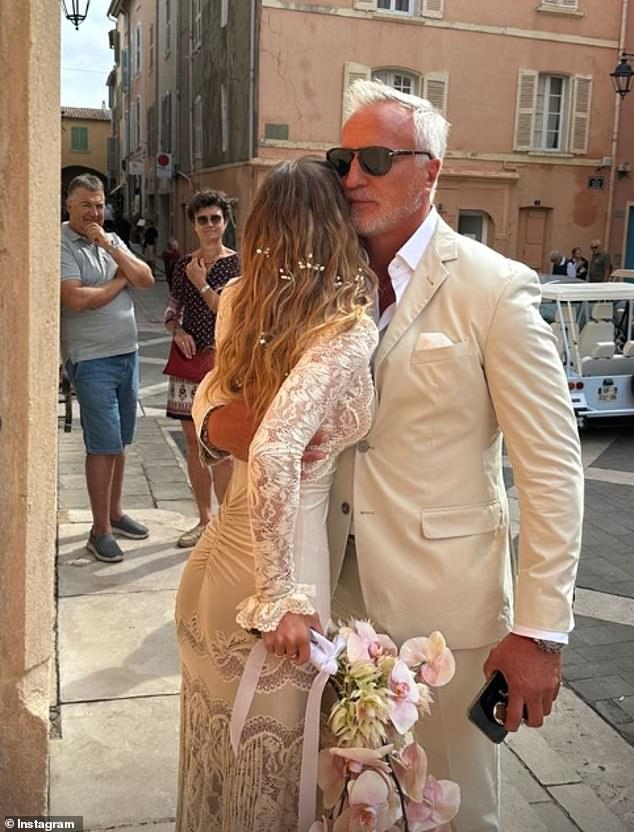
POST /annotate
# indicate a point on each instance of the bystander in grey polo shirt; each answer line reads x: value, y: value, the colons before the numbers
x: 94, y: 333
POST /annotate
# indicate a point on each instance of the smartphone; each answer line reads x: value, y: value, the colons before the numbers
x: 488, y: 711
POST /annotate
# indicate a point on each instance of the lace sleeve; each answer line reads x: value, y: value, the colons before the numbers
x: 312, y: 388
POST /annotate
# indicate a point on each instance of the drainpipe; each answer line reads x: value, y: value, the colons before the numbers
x: 615, y: 138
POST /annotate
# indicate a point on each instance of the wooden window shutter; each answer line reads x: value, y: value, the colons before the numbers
x: 365, y: 5
x: 435, y: 89
x: 580, y: 113
x: 353, y: 72
x: 431, y: 8
x: 562, y: 4
x: 525, y: 109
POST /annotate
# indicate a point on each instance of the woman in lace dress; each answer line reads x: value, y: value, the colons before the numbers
x: 294, y: 339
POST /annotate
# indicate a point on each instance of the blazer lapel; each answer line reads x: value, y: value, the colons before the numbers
x: 428, y: 277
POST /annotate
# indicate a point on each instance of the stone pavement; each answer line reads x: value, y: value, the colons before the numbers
x: 115, y: 728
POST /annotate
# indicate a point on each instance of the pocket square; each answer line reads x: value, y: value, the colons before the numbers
x: 432, y: 340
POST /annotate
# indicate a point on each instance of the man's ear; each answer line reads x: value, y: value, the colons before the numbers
x: 432, y: 172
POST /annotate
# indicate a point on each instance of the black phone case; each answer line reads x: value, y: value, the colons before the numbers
x: 482, y: 711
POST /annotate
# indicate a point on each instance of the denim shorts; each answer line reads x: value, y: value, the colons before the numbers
x: 107, y: 391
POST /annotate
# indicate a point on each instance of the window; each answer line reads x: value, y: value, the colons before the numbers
x: 168, y: 25
x: 79, y: 139
x: 125, y: 72
x: 198, y: 130
x: 196, y: 10
x: 138, y: 124
x: 399, y: 6
x: 432, y: 85
x: 151, y: 46
x: 224, y: 117
x: 401, y: 81
x: 137, y: 50
x: 166, y: 123
x: 566, y: 5
x: 474, y: 224
x: 552, y: 112
x: 150, y: 130
x: 224, y: 12
x: 431, y: 8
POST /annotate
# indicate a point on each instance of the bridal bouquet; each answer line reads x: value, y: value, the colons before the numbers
x: 374, y: 778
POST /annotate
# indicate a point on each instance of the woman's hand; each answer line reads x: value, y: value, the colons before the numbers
x: 185, y: 343
x: 196, y: 273
x: 291, y: 639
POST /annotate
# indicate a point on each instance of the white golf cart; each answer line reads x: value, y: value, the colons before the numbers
x: 593, y: 325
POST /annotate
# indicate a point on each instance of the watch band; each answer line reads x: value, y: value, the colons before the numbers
x: 205, y: 288
x: 550, y: 647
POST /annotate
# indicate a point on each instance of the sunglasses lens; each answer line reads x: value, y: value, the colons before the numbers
x: 376, y: 161
x: 340, y: 159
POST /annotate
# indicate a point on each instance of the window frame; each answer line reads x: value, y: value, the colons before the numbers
x: 151, y: 46
x: 168, y: 26
x: 546, y: 78
x: 391, y: 10
x: 224, y: 13
x: 197, y: 143
x: 138, y: 119
x: 138, y: 50
x: 391, y: 72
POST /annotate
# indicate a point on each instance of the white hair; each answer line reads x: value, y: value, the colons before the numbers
x: 430, y: 126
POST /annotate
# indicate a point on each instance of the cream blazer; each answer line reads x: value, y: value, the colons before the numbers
x: 466, y: 360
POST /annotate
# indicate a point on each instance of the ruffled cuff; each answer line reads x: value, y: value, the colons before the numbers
x: 259, y: 613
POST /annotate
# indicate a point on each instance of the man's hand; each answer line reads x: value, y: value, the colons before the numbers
x: 291, y: 639
x: 533, y: 677
x: 97, y: 235
x: 232, y: 428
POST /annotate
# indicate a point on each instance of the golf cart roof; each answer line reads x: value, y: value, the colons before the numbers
x: 588, y: 291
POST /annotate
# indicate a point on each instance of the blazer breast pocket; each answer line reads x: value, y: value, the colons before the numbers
x: 451, y: 352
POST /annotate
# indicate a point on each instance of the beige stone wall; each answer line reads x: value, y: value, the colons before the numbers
x: 96, y: 155
x: 29, y: 235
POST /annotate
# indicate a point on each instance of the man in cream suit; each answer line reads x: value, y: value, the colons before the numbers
x: 464, y: 356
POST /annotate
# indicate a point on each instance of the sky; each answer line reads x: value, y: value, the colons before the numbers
x: 86, y: 58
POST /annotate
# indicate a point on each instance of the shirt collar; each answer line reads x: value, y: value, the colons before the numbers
x: 413, y: 249
x: 72, y: 235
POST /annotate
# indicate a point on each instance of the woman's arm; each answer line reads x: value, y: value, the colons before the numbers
x: 275, y: 460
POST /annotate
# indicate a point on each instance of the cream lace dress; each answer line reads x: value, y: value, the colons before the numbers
x: 265, y: 554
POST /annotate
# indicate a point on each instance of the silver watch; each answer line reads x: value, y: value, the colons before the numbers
x: 550, y: 647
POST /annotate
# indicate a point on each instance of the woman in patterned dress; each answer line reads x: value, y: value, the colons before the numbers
x: 294, y: 338
x: 197, y: 283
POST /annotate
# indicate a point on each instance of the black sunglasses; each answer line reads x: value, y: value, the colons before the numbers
x: 377, y: 161
x: 212, y: 219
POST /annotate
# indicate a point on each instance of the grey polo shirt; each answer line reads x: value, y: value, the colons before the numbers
x: 94, y: 333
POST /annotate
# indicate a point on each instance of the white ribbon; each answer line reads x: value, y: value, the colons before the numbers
x: 323, y: 656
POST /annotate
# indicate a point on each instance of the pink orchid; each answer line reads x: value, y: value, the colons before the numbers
x: 440, y: 804
x: 365, y: 644
x: 403, y: 696
x: 337, y: 764
x: 411, y: 770
x: 370, y: 807
x: 438, y: 664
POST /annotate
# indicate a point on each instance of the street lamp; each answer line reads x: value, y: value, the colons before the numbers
x: 76, y: 11
x: 623, y: 74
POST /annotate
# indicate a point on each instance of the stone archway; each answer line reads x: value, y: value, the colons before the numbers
x: 29, y: 310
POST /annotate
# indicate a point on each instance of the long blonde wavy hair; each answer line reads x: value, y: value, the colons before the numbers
x: 304, y: 274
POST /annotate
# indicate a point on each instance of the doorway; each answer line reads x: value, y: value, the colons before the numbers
x: 531, y: 244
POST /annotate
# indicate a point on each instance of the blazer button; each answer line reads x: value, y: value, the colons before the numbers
x: 363, y: 446
x: 345, y: 508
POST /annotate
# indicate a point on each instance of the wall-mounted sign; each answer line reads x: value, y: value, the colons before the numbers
x: 595, y: 183
x: 135, y: 167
